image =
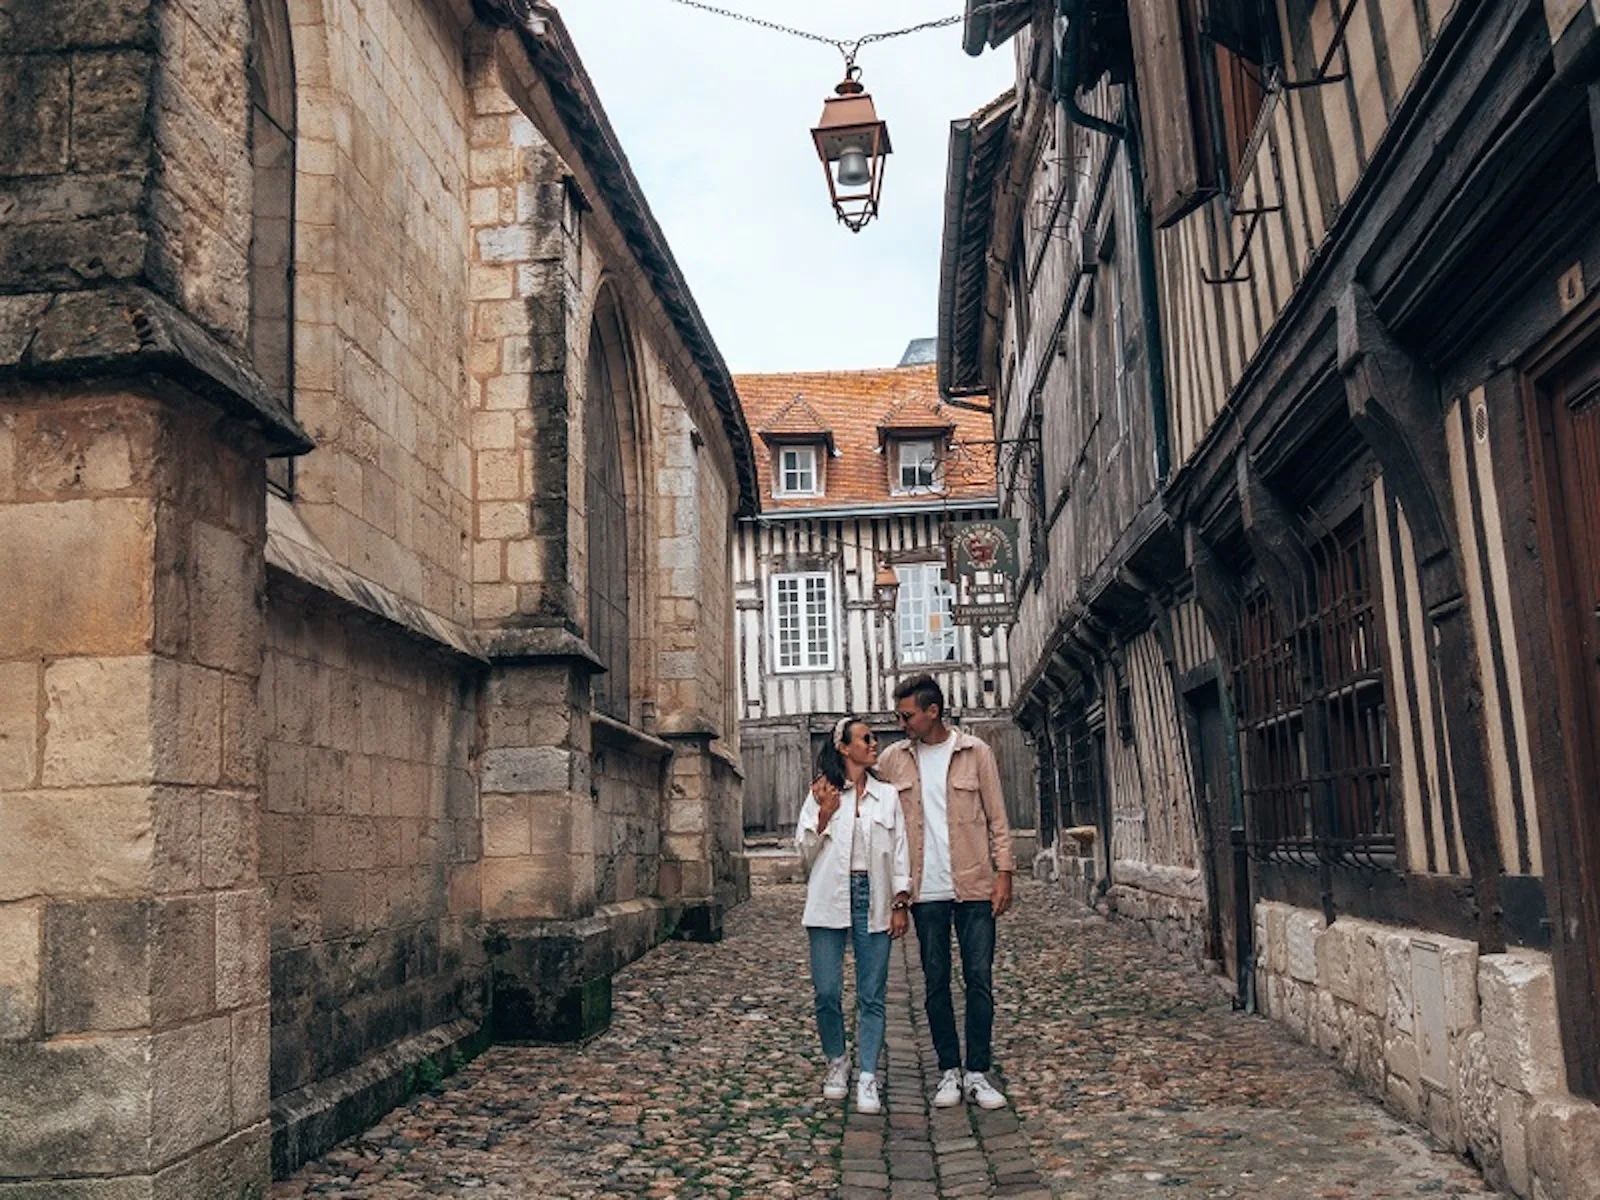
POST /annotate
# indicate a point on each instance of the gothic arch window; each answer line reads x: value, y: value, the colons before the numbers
x: 272, y: 151
x: 607, y: 404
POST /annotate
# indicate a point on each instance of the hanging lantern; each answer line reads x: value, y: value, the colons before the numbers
x: 852, y: 144
x: 886, y: 588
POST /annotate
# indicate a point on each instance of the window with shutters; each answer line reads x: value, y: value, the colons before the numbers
x: 270, y: 71
x: 607, y: 505
x: 802, y: 622
x: 1200, y: 66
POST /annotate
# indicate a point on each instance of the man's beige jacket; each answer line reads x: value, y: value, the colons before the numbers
x: 980, y: 838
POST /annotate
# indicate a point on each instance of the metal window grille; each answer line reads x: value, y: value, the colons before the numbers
x: 928, y: 632
x: 1313, y: 724
x: 1082, y: 766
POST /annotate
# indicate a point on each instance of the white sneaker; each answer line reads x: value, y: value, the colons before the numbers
x: 837, y: 1085
x: 949, y: 1093
x: 983, y: 1093
x: 867, y: 1094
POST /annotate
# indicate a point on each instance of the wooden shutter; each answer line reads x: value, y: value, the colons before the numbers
x: 1180, y: 167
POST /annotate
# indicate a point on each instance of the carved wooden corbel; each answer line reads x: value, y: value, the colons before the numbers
x: 1217, y: 591
x: 1393, y: 402
x: 1278, y: 541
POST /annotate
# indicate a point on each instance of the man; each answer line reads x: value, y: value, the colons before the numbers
x: 961, y: 867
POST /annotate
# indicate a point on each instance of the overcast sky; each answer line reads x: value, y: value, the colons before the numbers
x: 715, y: 116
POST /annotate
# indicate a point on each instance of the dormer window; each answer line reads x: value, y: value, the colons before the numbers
x: 798, y: 473
x: 916, y: 466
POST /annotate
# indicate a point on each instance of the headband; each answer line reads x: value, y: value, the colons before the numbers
x: 840, y: 729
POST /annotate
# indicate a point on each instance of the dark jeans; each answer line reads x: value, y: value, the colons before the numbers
x: 974, y: 924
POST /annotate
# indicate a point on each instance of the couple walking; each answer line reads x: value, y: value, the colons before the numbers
x: 917, y: 835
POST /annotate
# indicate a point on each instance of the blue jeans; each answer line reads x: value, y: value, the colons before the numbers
x: 872, y: 980
x: 974, y: 926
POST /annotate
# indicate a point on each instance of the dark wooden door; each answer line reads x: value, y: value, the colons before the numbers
x: 1229, y: 878
x: 1570, y: 416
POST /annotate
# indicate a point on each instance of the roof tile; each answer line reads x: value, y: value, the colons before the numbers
x: 858, y: 408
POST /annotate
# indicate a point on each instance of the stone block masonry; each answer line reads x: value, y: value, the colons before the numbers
x: 134, y: 998
x: 294, y: 787
x: 1465, y: 1044
x: 370, y: 844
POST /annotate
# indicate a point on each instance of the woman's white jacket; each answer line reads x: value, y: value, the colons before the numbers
x: 827, y: 856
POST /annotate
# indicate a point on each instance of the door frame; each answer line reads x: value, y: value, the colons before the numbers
x: 1210, y: 678
x: 1572, y: 876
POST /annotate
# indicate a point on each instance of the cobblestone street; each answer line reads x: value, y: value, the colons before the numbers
x: 1129, y: 1076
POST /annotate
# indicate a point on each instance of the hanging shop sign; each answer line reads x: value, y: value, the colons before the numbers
x: 984, y: 566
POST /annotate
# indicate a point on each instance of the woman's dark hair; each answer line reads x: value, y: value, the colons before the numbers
x: 830, y: 762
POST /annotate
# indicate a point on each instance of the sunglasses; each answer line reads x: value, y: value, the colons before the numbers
x: 903, y: 717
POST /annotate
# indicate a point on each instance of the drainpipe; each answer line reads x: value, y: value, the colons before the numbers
x: 1067, y: 79
x: 1144, y: 236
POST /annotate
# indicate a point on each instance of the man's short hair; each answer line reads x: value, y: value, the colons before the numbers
x: 924, y: 689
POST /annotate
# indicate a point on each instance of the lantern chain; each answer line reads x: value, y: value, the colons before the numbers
x: 849, y: 47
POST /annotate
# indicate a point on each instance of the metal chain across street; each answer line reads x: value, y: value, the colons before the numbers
x: 849, y: 47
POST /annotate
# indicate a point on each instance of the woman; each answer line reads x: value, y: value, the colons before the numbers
x: 858, y: 889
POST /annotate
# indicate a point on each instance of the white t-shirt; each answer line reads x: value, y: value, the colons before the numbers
x: 860, y: 860
x: 933, y: 765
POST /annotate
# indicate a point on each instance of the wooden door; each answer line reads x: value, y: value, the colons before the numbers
x: 1569, y: 445
x: 1229, y: 877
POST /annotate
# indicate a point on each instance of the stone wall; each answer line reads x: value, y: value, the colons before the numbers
x: 292, y: 788
x: 133, y: 967
x: 369, y: 844
x: 627, y: 825
x: 1464, y: 1044
x: 381, y: 294
x: 1169, y: 902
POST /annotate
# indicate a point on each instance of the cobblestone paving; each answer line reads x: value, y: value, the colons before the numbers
x: 1129, y: 1076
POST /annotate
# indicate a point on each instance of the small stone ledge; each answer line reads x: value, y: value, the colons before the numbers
x: 539, y: 644
x: 550, y: 981
x: 607, y: 731
x: 1181, y: 883
x: 127, y: 331
x: 309, y: 1121
x: 687, y: 727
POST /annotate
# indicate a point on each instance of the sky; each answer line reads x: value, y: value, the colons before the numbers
x: 715, y: 117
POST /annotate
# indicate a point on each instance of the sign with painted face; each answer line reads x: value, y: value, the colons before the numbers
x: 984, y: 565
x: 987, y: 547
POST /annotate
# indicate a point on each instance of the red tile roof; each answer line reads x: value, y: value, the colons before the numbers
x: 859, y: 409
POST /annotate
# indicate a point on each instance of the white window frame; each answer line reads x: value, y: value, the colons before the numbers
x: 913, y: 452
x: 780, y: 476
x: 805, y: 639
x: 924, y: 621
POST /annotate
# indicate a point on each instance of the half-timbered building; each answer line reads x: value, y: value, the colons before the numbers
x: 1359, y: 533
x: 859, y: 472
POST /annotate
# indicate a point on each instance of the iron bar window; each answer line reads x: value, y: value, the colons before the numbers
x: 1313, y: 716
